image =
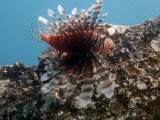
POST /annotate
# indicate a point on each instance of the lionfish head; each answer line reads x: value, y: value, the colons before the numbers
x: 77, y: 44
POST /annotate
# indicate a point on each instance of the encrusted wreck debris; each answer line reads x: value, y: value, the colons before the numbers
x: 134, y: 68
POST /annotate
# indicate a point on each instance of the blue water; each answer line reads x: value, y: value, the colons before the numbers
x: 13, y: 13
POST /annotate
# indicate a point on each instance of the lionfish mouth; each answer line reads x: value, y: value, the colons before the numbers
x: 76, y: 43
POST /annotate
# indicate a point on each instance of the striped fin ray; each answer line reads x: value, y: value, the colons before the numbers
x: 56, y: 79
x: 75, y: 12
x: 82, y: 18
x: 59, y: 25
x: 59, y: 28
x: 62, y: 27
x: 52, y: 14
x: 74, y: 23
x: 83, y: 15
x: 88, y: 19
x: 45, y: 21
x: 87, y: 87
x: 102, y: 18
x: 48, y: 75
x: 97, y: 43
x: 74, y: 77
x: 48, y: 86
x: 61, y: 10
x: 96, y: 10
x: 50, y: 30
x: 106, y: 85
x: 69, y: 18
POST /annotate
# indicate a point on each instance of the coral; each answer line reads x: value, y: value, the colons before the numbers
x: 134, y: 67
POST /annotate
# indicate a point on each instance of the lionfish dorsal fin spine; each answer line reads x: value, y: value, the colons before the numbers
x: 61, y: 10
x: 75, y: 12
x: 74, y: 23
x: 82, y: 18
x: 45, y: 21
x: 99, y: 1
x: 41, y: 19
x: 96, y: 10
x: 78, y: 19
x: 102, y: 18
x: 70, y: 18
x: 87, y: 19
x: 52, y: 14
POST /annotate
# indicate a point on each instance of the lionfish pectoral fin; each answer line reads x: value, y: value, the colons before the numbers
x: 87, y: 87
x: 48, y: 75
x: 72, y: 78
x: 71, y: 86
x: 54, y: 81
x: 84, y: 99
x: 73, y: 81
x: 48, y: 86
x: 106, y: 85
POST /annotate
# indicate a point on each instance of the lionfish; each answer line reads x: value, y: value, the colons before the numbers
x: 77, y: 42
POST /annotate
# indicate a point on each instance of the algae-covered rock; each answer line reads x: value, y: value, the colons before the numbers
x: 134, y: 66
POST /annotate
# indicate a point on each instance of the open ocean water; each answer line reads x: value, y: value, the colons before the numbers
x: 14, y: 13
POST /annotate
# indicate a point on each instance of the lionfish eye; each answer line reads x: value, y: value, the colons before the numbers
x: 103, y: 39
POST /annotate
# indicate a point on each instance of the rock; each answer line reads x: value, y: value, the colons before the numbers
x: 134, y: 66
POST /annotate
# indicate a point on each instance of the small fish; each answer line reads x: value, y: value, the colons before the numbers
x: 77, y: 39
